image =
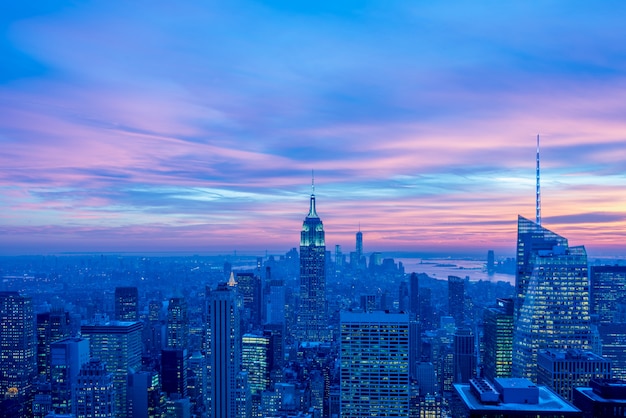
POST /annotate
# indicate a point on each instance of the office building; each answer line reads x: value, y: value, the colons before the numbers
x: 564, y: 370
x: 456, y: 299
x: 94, y: 393
x: 67, y: 357
x: 177, y: 332
x: 604, y: 398
x: 256, y: 361
x: 275, y: 302
x: 118, y: 345
x: 174, y: 371
x: 224, y: 351
x: 508, y: 397
x: 498, y: 339
x: 144, y: 392
x: 613, y: 338
x: 464, y: 356
x: 17, y: 350
x: 249, y: 288
x: 51, y: 326
x: 374, y: 360
x: 312, y: 323
x: 554, y: 310
x: 608, y: 290
x: 126, y: 304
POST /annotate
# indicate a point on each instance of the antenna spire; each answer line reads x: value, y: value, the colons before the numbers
x: 538, y: 187
x: 312, y: 182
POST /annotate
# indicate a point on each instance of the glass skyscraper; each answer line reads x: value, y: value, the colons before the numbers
x: 552, y: 297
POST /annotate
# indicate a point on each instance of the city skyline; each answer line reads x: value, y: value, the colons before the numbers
x: 148, y: 127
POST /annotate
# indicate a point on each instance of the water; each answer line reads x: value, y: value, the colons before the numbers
x: 441, y: 268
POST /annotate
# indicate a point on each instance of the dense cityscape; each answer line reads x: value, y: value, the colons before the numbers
x: 327, y: 209
x: 313, y: 334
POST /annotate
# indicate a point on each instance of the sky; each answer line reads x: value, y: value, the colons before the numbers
x: 195, y: 126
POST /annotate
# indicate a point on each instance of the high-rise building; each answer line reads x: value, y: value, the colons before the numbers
x: 456, y: 299
x: 564, y: 370
x: 374, y: 359
x: 608, y: 289
x: 249, y: 287
x: 553, y: 297
x: 177, y: 333
x: 312, y: 323
x: 498, y: 339
x: 118, y: 344
x: 275, y: 302
x: 144, y: 391
x: 174, y: 371
x: 126, y: 304
x: 403, y: 297
x: 94, y: 393
x: 197, y: 383
x: 51, y: 326
x: 224, y: 351
x: 256, y: 350
x: 464, y: 356
x: 67, y: 356
x: 614, y: 346
x: 17, y: 349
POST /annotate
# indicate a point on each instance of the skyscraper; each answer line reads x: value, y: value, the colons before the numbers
x: 311, y: 317
x: 177, y: 323
x: 51, y: 326
x: 374, y: 359
x: 456, y: 299
x: 67, y: 357
x: 608, y: 290
x: 249, y: 287
x: 498, y: 339
x: 17, y: 348
x: 224, y: 351
x: 126, y: 304
x: 464, y: 356
x: 553, y: 297
x: 118, y: 344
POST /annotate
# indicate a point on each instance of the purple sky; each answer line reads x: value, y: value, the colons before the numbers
x: 194, y: 126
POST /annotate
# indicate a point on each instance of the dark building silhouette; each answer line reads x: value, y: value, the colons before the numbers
x: 456, y: 299
x: 249, y: 287
x: 464, y: 356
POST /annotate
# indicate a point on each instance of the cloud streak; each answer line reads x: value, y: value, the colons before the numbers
x: 166, y: 128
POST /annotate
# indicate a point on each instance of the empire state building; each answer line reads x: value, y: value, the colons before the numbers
x: 312, y: 319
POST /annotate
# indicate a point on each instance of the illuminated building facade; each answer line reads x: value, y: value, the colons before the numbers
x: 456, y: 299
x: 498, y: 339
x: 564, y: 370
x: 177, y: 323
x: 118, y: 344
x: 51, y: 327
x: 374, y: 359
x: 554, y: 310
x: 312, y: 324
x: 608, y: 290
x: 17, y: 348
x: 94, y: 395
